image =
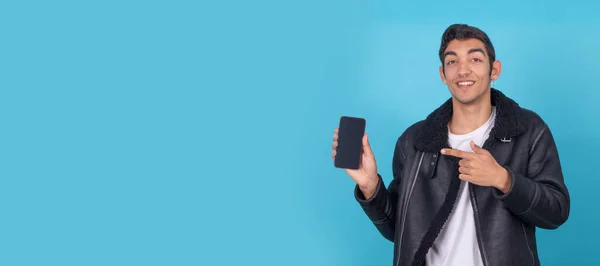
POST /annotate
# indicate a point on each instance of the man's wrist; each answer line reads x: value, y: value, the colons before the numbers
x: 504, y: 181
x: 369, y: 189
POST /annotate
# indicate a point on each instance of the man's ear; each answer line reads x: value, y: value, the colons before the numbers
x: 442, y: 75
x: 496, y: 69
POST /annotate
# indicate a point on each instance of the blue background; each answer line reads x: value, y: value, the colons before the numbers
x: 199, y: 133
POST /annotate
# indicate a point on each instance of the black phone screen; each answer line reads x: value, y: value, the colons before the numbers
x: 349, y: 150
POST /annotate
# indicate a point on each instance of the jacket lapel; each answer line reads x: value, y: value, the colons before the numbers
x: 509, y: 123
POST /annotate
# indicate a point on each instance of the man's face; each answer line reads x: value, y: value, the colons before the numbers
x: 466, y: 70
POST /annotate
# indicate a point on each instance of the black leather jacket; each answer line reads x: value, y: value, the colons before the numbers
x: 412, y: 210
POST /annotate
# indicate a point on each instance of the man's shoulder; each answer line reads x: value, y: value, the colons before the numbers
x: 532, y: 120
x: 407, y: 139
x: 516, y: 115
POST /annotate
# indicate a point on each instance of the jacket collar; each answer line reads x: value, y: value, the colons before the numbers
x: 509, y: 122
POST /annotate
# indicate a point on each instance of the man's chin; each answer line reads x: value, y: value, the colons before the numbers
x: 465, y: 100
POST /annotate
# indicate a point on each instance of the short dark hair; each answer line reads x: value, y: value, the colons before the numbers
x: 463, y: 32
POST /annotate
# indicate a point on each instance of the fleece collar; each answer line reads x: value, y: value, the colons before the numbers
x: 510, y: 122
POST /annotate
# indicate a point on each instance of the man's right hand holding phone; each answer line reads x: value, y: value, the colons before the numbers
x: 366, y: 176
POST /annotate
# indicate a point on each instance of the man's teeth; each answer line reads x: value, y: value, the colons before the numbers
x: 466, y: 83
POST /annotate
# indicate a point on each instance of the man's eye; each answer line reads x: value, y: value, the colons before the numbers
x: 450, y: 62
x: 477, y: 60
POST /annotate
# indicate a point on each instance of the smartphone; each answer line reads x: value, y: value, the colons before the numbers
x: 349, y: 150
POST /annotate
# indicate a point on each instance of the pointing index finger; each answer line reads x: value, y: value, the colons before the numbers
x: 458, y: 153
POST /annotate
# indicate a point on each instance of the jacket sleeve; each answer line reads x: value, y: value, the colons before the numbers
x: 541, y: 198
x: 381, y: 207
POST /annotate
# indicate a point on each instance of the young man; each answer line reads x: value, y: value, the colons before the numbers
x: 474, y: 179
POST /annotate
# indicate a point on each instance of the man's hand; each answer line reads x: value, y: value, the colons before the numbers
x: 480, y: 168
x: 366, y: 176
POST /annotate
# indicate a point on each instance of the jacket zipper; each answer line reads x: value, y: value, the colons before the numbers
x: 528, y: 246
x: 478, y: 225
x: 486, y: 145
x: 405, y: 208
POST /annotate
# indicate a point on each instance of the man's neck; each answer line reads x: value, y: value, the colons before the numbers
x: 467, y: 118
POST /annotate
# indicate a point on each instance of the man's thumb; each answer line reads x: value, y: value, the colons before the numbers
x: 475, y: 148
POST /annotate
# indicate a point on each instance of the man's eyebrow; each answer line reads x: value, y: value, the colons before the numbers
x: 449, y: 53
x: 474, y: 50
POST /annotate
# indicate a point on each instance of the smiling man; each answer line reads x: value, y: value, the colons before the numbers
x: 472, y: 181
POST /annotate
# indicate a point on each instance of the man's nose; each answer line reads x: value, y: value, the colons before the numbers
x: 464, y: 69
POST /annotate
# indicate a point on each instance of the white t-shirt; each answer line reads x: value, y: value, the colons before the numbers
x: 457, y: 243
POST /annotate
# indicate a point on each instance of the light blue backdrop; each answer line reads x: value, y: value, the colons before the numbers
x: 199, y: 133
